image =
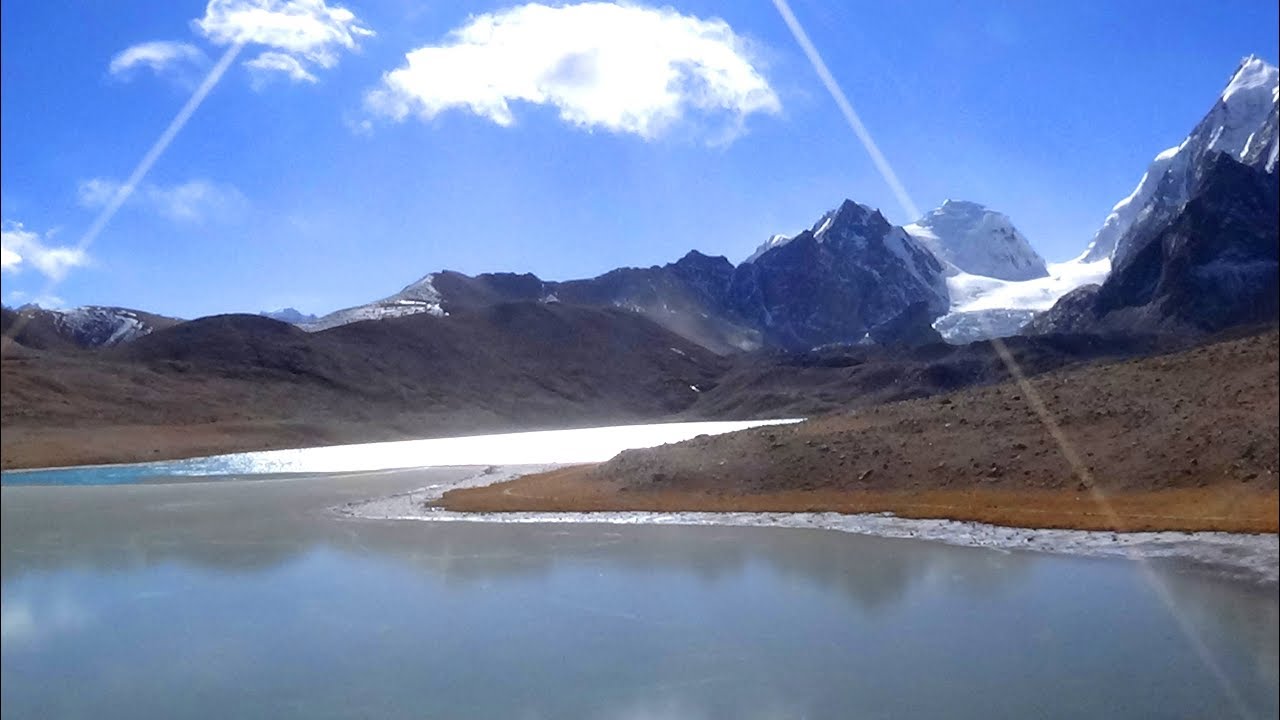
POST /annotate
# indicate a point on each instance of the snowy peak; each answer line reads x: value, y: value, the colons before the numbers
x: 1241, y: 124
x: 423, y: 290
x: 773, y: 242
x: 973, y: 239
x: 848, y: 214
x: 1255, y: 76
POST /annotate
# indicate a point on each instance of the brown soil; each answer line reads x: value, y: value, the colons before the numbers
x: 1179, y: 442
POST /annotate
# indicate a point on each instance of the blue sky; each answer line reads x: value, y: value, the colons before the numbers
x: 309, y: 177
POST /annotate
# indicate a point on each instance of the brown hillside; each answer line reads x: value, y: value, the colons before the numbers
x: 1186, y: 441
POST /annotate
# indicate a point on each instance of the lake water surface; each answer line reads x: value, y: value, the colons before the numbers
x: 252, y: 599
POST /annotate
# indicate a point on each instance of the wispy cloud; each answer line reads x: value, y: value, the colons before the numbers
x: 620, y: 68
x: 21, y: 248
x: 162, y: 57
x: 275, y: 64
x: 192, y: 201
x: 300, y: 34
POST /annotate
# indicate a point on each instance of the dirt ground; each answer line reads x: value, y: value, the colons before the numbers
x: 1178, y: 442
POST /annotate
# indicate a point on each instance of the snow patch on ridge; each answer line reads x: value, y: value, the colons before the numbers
x: 95, y: 326
x: 415, y: 299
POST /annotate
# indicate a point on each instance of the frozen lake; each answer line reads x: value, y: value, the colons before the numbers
x: 577, y: 445
x: 250, y: 598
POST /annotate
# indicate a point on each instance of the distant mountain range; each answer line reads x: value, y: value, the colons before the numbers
x: 1195, y: 227
x: 964, y: 268
x: 289, y: 315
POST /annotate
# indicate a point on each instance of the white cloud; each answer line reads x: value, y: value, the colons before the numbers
x: 159, y: 56
x: 192, y: 201
x: 20, y: 248
x: 18, y: 298
x: 622, y: 68
x: 300, y: 33
x: 270, y: 63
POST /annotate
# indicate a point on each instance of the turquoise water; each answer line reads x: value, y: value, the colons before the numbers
x: 123, y: 474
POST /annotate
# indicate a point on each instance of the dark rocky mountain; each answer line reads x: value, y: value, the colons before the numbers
x: 832, y: 284
x: 853, y: 270
x: 1210, y: 266
x: 686, y: 297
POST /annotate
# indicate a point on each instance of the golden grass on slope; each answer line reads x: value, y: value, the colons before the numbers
x: 1223, y: 508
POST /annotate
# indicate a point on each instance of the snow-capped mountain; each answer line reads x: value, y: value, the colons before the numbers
x: 1214, y: 265
x: 973, y: 239
x: 996, y: 282
x: 1242, y: 124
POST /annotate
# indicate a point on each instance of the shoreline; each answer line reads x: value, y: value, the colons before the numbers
x: 1253, y: 558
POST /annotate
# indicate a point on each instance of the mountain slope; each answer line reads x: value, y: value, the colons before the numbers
x: 1178, y: 442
